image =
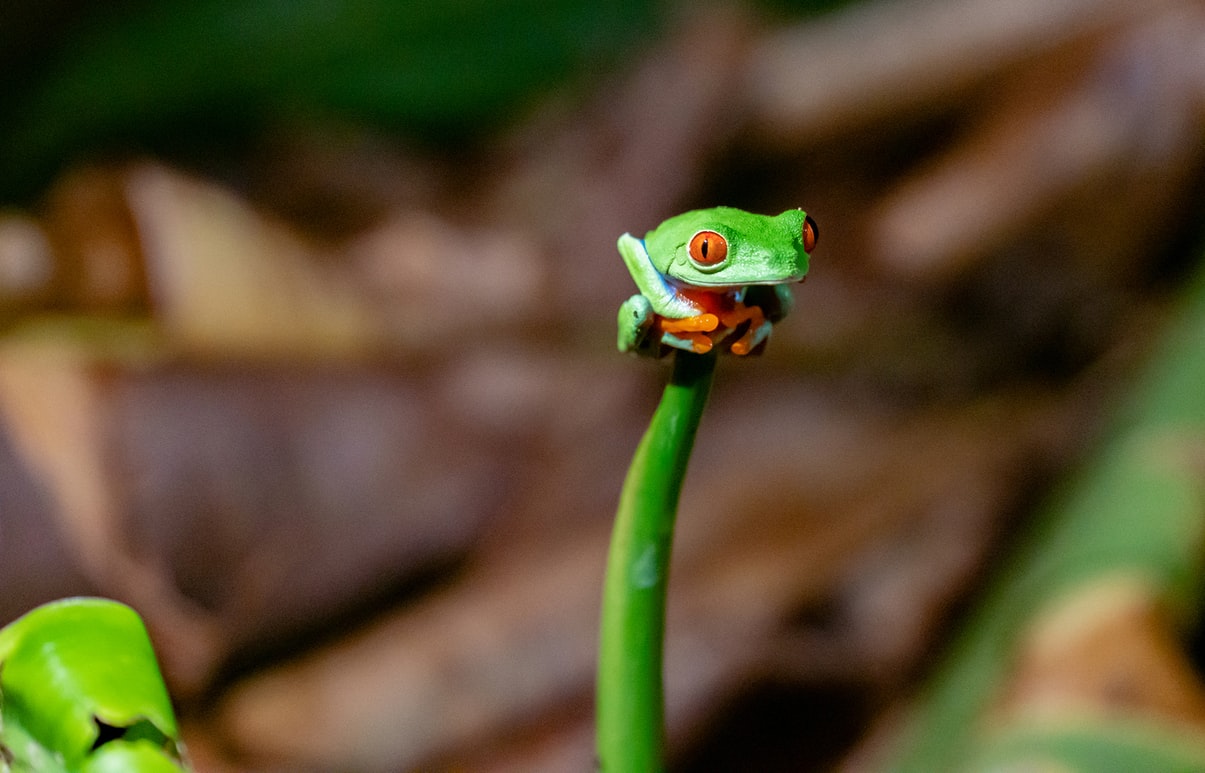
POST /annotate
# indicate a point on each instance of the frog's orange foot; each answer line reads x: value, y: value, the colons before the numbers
x: 702, y: 323
x: 742, y: 313
x: 757, y: 331
x: 699, y: 343
x: 752, y: 339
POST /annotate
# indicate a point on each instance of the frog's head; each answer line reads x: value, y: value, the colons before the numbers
x: 726, y: 247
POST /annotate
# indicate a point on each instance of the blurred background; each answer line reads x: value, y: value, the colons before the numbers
x: 308, y: 346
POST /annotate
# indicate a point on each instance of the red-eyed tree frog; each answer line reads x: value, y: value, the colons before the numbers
x: 712, y: 277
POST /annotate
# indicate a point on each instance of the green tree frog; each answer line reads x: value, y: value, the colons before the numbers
x: 712, y: 277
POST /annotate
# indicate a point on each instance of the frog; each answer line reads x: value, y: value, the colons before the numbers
x: 713, y: 279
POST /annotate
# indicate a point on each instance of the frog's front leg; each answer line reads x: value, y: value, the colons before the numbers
x: 643, y: 331
x: 663, y: 297
x: 758, y: 330
x: 636, y: 319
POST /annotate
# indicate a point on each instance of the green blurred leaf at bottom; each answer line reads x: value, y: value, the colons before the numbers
x: 80, y: 691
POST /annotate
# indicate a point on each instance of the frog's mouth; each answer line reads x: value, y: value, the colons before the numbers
x: 731, y: 283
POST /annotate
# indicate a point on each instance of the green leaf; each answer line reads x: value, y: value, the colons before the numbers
x: 81, y: 691
x: 1101, y: 744
x: 1136, y: 509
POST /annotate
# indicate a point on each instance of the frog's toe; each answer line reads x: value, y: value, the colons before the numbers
x: 699, y: 343
x: 635, y: 325
x: 752, y: 339
x: 740, y: 348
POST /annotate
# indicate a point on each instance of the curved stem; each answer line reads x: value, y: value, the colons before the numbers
x: 630, y: 731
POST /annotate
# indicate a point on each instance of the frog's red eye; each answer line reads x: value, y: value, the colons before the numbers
x: 708, y: 248
x: 811, y: 232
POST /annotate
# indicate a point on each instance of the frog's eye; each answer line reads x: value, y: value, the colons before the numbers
x: 708, y: 248
x: 811, y: 232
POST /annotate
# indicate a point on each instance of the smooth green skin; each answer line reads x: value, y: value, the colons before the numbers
x: 762, y: 250
x: 630, y: 713
x: 70, y: 663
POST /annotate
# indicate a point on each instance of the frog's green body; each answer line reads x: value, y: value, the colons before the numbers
x: 708, y: 274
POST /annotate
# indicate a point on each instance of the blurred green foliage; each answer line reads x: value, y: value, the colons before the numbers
x: 195, y: 76
x: 1136, y: 510
x: 178, y: 73
x: 804, y: 8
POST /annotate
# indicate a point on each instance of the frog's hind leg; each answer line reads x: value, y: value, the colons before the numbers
x: 689, y: 333
x: 700, y: 323
x: 757, y: 332
x: 699, y: 343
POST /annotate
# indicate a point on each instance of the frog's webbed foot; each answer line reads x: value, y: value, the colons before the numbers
x: 644, y: 332
x: 690, y: 333
x: 636, y: 322
x: 757, y: 330
x: 699, y: 343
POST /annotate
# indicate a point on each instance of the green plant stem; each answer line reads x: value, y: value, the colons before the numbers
x: 630, y: 729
